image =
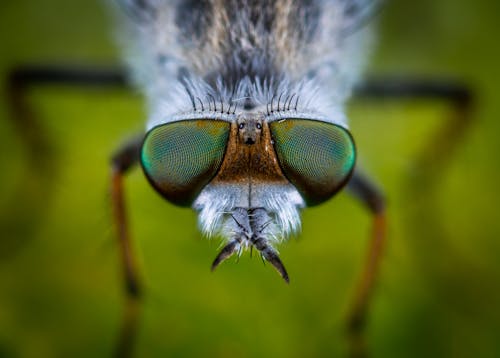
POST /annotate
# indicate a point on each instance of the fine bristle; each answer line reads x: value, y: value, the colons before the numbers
x: 184, y: 52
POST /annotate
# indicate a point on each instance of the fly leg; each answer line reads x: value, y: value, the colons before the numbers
x: 121, y: 162
x: 363, y: 189
x: 448, y: 136
x: 126, y: 157
x: 21, y: 79
x: 19, y: 82
x: 41, y: 164
x: 23, y: 209
x: 430, y: 163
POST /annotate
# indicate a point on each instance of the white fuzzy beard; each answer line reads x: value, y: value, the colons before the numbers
x: 220, y: 208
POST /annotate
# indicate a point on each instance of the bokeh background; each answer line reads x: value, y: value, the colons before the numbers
x: 439, y: 291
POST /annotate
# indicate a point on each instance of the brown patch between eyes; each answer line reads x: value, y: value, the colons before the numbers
x: 250, y: 164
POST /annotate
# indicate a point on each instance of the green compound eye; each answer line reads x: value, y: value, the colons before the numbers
x: 180, y: 158
x: 317, y: 157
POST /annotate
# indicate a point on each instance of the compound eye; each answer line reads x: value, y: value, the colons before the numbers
x: 180, y: 158
x: 317, y: 157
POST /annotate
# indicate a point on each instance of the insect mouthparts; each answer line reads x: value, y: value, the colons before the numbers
x: 251, y: 225
x: 261, y: 244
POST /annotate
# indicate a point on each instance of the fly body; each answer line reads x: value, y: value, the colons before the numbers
x: 246, y: 116
x: 245, y: 125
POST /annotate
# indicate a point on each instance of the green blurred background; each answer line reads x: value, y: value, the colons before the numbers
x: 439, y: 292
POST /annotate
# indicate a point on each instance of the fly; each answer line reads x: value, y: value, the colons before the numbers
x: 246, y: 118
x: 246, y: 122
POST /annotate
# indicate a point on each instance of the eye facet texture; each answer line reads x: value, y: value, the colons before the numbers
x: 317, y: 157
x: 180, y: 158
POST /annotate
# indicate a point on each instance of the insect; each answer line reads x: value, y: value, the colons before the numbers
x: 247, y: 122
x: 246, y: 119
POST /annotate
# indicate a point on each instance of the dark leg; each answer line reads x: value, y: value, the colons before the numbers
x: 124, y: 159
x: 20, y: 80
x: 41, y: 163
x: 25, y: 76
x: 363, y: 189
x: 448, y: 136
x: 22, y: 210
x: 430, y: 163
x: 394, y: 88
x: 128, y: 330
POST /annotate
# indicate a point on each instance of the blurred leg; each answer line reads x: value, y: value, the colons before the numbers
x: 18, y: 83
x: 128, y: 330
x: 430, y: 163
x: 21, y: 79
x: 41, y: 164
x: 458, y: 95
x: 23, y: 208
x: 363, y: 189
x: 125, y: 158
